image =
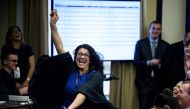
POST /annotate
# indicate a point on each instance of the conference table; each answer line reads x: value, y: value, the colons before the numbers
x: 15, y: 105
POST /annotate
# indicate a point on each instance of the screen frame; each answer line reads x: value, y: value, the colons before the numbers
x: 52, y: 45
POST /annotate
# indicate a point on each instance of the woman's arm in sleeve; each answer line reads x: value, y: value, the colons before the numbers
x: 54, y: 32
x: 79, y: 99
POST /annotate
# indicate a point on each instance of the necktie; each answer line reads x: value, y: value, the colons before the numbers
x: 153, y: 48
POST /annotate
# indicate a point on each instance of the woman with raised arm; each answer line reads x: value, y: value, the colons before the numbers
x: 84, y: 85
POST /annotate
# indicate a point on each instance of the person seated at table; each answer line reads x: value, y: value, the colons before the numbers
x: 9, y: 61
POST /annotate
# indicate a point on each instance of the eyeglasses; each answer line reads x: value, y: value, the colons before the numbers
x: 85, y: 55
x: 15, y: 31
x: 13, y: 61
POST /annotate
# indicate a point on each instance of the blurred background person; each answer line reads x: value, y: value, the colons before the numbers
x: 179, y: 67
x: 149, y: 56
x: 165, y: 100
x: 184, y: 95
x: 26, y: 62
x: 176, y: 90
x: 9, y: 61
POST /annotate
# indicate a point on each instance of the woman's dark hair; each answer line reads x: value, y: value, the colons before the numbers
x: 8, y: 40
x: 166, y: 98
x: 186, y: 41
x: 186, y: 32
x: 95, y: 61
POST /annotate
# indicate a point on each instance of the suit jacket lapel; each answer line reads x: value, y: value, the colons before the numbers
x: 158, y: 49
x: 148, y: 49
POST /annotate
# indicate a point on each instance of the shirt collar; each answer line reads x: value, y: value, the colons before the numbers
x: 151, y: 40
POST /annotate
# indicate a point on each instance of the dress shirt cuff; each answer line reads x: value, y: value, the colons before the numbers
x: 148, y: 63
x: 159, y: 66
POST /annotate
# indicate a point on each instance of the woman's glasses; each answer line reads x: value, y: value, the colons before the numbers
x: 81, y: 54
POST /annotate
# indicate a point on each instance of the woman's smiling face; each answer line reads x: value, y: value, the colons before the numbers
x: 16, y: 34
x: 83, y: 59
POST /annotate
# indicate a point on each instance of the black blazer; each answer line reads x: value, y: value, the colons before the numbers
x: 142, y: 54
x: 174, y: 64
x: 177, y: 72
x: 175, y: 51
x: 7, y: 84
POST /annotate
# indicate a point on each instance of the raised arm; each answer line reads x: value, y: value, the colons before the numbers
x: 54, y: 32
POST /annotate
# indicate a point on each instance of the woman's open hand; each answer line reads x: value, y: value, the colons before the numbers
x: 54, y: 17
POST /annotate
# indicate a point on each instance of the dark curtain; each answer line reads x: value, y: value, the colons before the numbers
x: 36, y: 25
x: 188, y: 15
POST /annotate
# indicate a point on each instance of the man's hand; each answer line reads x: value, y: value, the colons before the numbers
x: 154, y: 62
x: 23, y: 91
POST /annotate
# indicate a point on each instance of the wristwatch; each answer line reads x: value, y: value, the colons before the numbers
x: 28, y: 79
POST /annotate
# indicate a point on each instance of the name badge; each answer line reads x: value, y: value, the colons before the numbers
x: 188, y: 74
x: 17, y: 73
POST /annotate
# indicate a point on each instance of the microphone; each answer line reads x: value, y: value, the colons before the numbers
x: 111, y: 78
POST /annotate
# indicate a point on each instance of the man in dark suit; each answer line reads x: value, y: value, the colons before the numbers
x: 148, y: 59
